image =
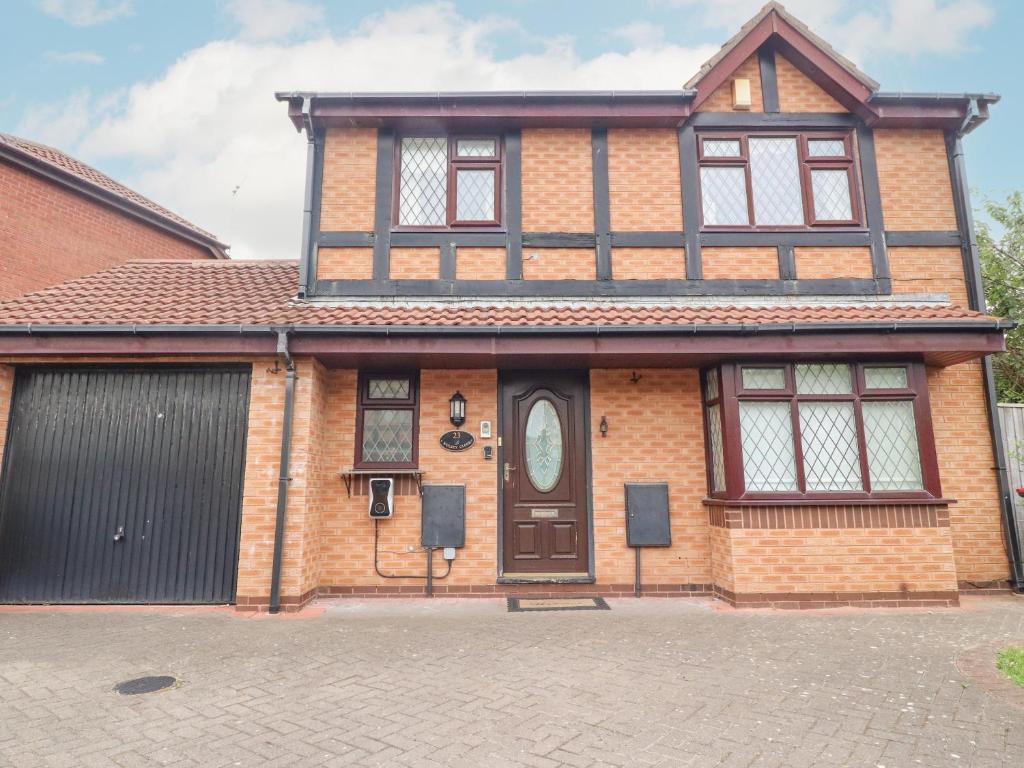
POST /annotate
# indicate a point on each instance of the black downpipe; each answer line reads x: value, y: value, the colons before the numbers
x: 284, y: 479
x: 976, y: 297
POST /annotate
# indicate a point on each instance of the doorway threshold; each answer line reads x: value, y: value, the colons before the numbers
x: 546, y: 578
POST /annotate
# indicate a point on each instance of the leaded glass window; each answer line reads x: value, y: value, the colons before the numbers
x: 423, y: 197
x: 831, y: 195
x: 763, y: 378
x: 823, y: 379
x: 828, y: 434
x: 724, y: 196
x: 448, y: 181
x: 877, y: 377
x: 775, y: 181
x: 387, y: 436
x: 474, y: 200
x: 803, y: 179
x: 820, y: 430
x: 542, y: 446
x: 891, y: 433
x: 387, y: 421
x: 769, y: 462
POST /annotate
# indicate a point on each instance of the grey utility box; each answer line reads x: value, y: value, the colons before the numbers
x: 647, y: 522
x: 443, y: 521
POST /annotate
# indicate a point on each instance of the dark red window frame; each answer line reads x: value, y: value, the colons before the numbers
x: 455, y: 164
x: 366, y: 403
x: 731, y: 393
x: 807, y: 164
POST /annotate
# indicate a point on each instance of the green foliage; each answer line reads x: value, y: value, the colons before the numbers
x: 1002, y: 264
x: 1010, y: 661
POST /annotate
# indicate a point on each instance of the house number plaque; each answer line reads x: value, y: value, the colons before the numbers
x: 456, y: 440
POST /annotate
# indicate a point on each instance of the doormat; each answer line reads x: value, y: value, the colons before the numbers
x: 519, y: 604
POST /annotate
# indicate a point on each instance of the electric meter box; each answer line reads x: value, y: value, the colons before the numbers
x: 647, y: 521
x: 443, y: 520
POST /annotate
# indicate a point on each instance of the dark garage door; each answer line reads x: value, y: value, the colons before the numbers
x: 123, y: 485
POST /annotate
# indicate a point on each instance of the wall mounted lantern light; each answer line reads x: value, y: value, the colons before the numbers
x: 457, y: 404
x: 604, y: 426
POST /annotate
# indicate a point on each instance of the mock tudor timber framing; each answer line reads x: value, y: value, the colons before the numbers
x: 603, y: 240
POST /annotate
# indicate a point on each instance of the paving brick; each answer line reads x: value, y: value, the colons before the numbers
x: 464, y: 683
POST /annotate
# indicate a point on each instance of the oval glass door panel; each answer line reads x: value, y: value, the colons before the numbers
x: 542, y: 446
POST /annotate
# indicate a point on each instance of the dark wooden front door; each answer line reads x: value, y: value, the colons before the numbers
x: 544, y: 473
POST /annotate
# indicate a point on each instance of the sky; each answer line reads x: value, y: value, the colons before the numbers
x: 175, y: 97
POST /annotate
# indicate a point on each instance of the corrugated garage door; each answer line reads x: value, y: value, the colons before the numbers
x: 123, y: 485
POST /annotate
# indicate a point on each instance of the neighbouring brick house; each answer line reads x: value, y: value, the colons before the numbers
x: 61, y: 219
x: 757, y: 298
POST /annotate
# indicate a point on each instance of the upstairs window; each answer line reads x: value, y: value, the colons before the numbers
x: 819, y: 430
x: 778, y: 181
x: 449, y: 181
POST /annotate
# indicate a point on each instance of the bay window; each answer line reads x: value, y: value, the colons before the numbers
x: 448, y: 181
x: 819, y: 430
x: 769, y: 180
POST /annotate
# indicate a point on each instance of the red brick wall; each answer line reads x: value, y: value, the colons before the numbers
x: 964, y: 446
x: 655, y: 434
x: 839, y: 560
x: 929, y: 270
x: 480, y: 263
x: 559, y: 264
x: 824, y: 263
x: 643, y: 180
x: 349, y: 180
x: 798, y: 93
x: 757, y: 263
x: 558, y: 184
x: 347, y: 531
x: 415, y: 263
x: 648, y: 263
x: 913, y: 176
x: 721, y: 99
x: 344, y: 263
x: 49, y: 234
x: 329, y: 536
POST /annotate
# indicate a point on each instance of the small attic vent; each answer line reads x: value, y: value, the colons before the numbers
x: 741, y: 93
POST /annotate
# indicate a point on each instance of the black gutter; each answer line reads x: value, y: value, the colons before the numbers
x: 283, y: 479
x: 691, y: 329
x: 504, y: 96
x: 976, y: 301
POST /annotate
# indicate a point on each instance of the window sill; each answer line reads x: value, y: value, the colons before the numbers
x: 832, y: 502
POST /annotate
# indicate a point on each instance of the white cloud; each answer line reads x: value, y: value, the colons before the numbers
x: 862, y: 28
x: 87, y: 13
x: 210, y: 123
x: 273, y: 19
x: 75, y: 57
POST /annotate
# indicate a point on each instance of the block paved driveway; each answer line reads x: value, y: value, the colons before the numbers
x: 463, y: 683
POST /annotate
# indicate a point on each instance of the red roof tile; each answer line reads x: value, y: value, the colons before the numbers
x: 263, y: 293
x: 66, y: 164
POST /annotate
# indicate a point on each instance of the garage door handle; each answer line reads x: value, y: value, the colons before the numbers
x: 119, y: 536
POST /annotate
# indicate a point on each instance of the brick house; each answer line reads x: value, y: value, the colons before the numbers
x: 62, y: 219
x: 752, y: 305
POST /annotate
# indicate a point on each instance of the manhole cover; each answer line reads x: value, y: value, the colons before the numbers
x: 516, y: 604
x: 144, y: 685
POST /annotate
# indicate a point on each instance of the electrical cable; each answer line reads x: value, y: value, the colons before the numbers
x: 376, y: 565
